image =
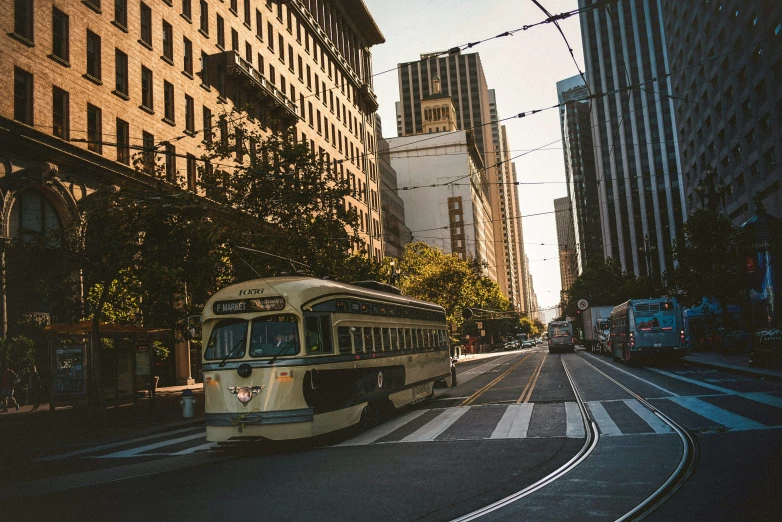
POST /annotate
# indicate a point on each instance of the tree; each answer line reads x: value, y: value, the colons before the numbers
x: 431, y: 275
x: 602, y: 283
x: 709, y: 260
x: 292, y: 201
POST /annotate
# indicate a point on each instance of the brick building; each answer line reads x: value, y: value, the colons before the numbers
x: 89, y: 83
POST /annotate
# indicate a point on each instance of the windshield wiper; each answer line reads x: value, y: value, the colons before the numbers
x: 239, y: 343
x: 284, y: 348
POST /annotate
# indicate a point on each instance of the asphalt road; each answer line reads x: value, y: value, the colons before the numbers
x: 513, y: 420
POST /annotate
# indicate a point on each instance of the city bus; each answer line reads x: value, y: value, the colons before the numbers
x: 561, y: 337
x: 647, y: 327
x: 296, y: 357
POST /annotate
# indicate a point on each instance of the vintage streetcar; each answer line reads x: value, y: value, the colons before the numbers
x: 296, y: 357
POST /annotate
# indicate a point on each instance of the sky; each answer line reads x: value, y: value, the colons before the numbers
x: 523, y: 70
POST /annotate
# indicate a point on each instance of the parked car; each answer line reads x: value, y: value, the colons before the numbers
x: 528, y: 343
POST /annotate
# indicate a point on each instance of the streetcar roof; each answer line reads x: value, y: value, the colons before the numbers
x: 298, y: 291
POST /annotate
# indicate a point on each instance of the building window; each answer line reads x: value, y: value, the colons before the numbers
x: 186, y: 9
x: 168, y: 101
x: 121, y: 12
x: 147, y: 99
x: 281, y: 48
x: 148, y: 154
x: 258, y: 25
x: 94, y: 132
x: 272, y: 74
x: 220, y: 32
x: 207, y: 125
x: 270, y: 35
x: 234, y: 6
x: 188, y: 56
x: 234, y: 40
x: 248, y: 52
x: 204, y: 69
x: 60, y: 109
x: 146, y: 24
x: 168, y: 41
x: 60, y: 34
x: 121, y: 72
x: 204, y: 24
x: 170, y: 163
x: 189, y: 114
x: 23, y: 19
x: 247, y: 15
x: 93, y: 55
x: 123, y: 142
x: 23, y: 96
x: 192, y: 177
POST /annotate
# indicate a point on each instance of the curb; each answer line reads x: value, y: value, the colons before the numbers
x: 751, y: 372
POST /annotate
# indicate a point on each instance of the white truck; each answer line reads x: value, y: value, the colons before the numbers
x: 596, y: 327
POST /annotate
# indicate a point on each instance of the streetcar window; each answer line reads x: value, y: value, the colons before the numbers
x: 274, y: 335
x: 368, y: 341
x: 375, y: 309
x: 358, y: 339
x: 343, y: 339
x: 386, y: 339
x: 364, y: 308
x: 318, y: 334
x: 414, y: 338
x: 401, y: 334
x: 376, y: 332
x: 228, y: 339
x: 409, y: 338
x: 394, y: 340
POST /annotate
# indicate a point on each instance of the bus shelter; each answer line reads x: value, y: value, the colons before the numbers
x: 116, y: 365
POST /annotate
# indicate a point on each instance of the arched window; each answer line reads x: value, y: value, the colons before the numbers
x: 33, y: 217
x: 445, y: 112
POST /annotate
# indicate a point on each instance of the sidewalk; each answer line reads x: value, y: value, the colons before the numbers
x: 738, y: 363
x: 28, y: 435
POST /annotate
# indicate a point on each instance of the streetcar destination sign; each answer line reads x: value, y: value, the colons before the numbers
x: 238, y: 306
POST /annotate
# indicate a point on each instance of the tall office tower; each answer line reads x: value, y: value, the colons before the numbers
x: 448, y: 214
x: 158, y: 75
x: 580, y: 172
x: 566, y: 241
x: 462, y: 79
x: 727, y: 83
x: 634, y: 131
x: 395, y: 233
x: 519, y: 239
x: 508, y: 218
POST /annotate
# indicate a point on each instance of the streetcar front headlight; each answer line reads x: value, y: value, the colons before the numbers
x: 244, y: 394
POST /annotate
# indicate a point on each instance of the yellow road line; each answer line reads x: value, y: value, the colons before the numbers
x: 472, y: 398
x: 533, y: 380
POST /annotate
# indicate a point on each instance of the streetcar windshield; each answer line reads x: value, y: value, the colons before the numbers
x: 227, y: 340
x: 274, y: 335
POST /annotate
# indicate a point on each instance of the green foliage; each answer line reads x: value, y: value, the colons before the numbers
x: 124, y: 299
x: 429, y: 274
x: 17, y: 353
x: 603, y: 283
x: 530, y: 327
x: 292, y: 201
x: 709, y: 260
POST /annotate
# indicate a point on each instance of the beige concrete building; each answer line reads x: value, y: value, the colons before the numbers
x: 89, y: 83
x: 566, y: 239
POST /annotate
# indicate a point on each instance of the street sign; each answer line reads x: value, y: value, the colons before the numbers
x: 480, y: 324
x: 583, y: 304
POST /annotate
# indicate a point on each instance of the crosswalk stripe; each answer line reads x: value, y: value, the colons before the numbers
x: 514, y: 424
x: 436, y: 426
x: 607, y: 426
x: 94, y: 449
x: 135, y: 451
x: 649, y: 418
x: 188, y: 451
x: 384, y: 429
x: 718, y: 415
x: 575, y: 423
x: 764, y: 398
x: 693, y: 381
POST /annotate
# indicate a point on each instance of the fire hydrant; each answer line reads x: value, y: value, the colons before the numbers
x: 188, y: 404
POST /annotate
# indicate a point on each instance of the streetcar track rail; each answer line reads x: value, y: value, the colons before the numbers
x: 684, y: 470
x: 590, y: 443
